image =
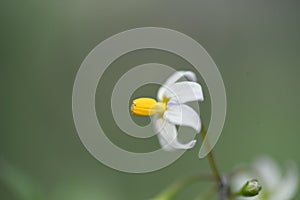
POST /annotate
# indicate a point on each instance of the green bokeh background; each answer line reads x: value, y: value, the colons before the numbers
x: 254, y: 43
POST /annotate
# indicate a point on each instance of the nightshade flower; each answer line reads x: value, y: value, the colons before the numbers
x: 275, y: 186
x: 170, y: 109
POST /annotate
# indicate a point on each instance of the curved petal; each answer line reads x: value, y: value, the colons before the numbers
x: 268, y: 170
x: 161, y: 92
x: 183, y: 115
x: 288, y: 185
x: 168, y: 135
x: 164, y: 144
x: 158, y: 123
x: 179, y: 74
x: 185, y: 91
x: 173, y: 78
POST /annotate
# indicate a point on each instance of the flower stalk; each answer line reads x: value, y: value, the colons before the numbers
x: 213, y: 165
x: 211, y: 158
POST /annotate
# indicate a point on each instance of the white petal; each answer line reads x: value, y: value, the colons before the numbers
x: 168, y: 135
x: 179, y: 74
x: 268, y: 171
x: 288, y: 185
x: 159, y: 123
x: 185, y: 91
x: 183, y: 115
x: 164, y: 144
x: 173, y: 78
x: 258, y: 197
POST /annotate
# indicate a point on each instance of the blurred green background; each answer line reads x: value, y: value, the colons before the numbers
x: 255, y: 44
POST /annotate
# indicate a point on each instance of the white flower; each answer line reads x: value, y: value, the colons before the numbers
x: 275, y: 185
x: 171, y: 110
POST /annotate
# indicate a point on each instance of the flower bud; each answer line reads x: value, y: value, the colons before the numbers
x: 251, y: 188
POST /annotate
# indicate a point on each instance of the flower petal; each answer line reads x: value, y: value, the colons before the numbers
x: 288, y: 185
x: 179, y: 74
x: 269, y: 171
x: 158, y: 123
x: 173, y: 78
x: 185, y: 91
x: 183, y: 115
x: 168, y: 135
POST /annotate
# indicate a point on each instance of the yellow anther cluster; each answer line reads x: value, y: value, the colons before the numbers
x: 147, y: 107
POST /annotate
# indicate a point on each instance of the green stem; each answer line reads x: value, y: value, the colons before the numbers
x: 211, y: 159
x: 222, y: 187
x: 235, y: 195
x: 175, y: 188
x: 171, y: 191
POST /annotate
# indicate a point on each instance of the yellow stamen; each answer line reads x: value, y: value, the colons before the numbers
x: 147, y: 107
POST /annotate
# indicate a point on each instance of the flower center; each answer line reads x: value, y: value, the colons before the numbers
x: 147, y: 107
